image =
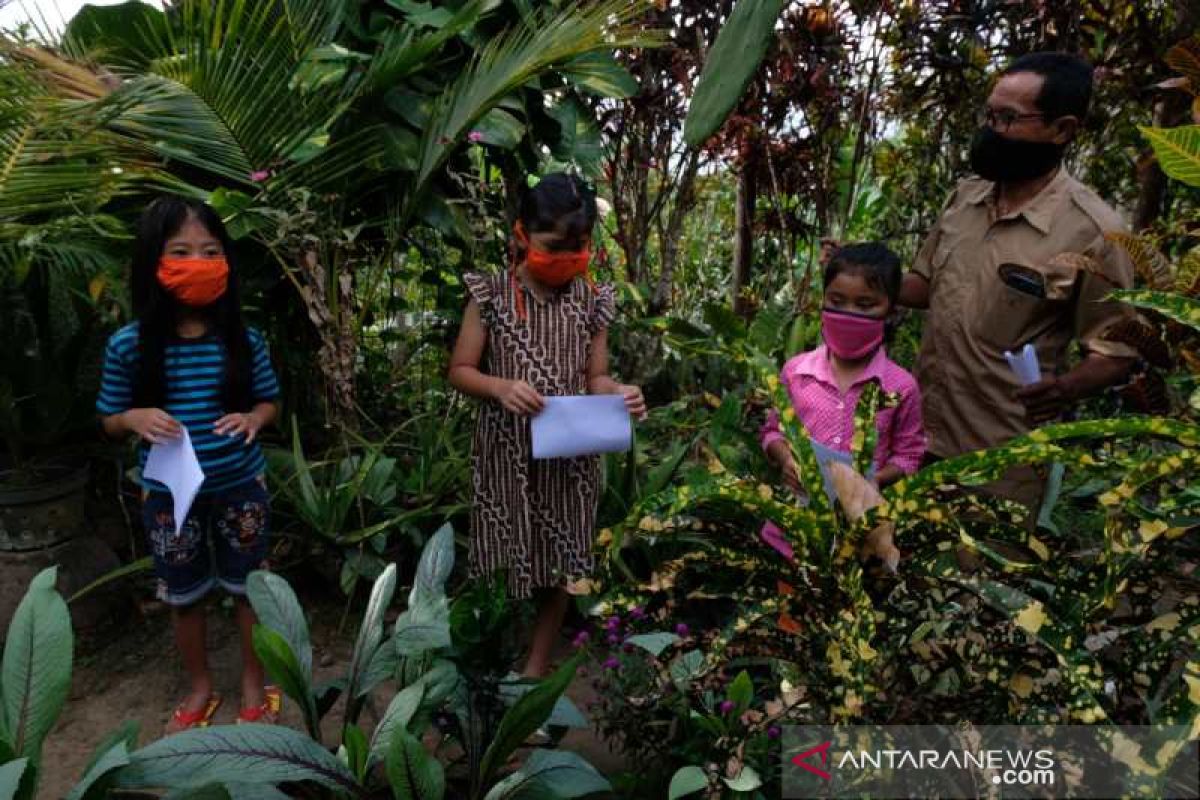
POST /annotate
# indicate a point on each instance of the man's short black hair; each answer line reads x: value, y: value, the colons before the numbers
x: 1067, y: 90
x: 877, y: 265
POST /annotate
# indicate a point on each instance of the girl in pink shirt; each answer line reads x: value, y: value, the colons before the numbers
x: 862, y: 283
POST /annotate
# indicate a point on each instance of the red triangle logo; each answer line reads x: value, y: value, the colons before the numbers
x: 801, y: 759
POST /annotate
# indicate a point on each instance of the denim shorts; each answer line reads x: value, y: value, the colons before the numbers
x: 223, y: 540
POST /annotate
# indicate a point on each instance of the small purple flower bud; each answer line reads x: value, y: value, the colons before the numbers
x: 613, y: 639
x: 637, y: 612
x: 612, y: 663
x: 613, y: 623
x: 773, y: 732
x: 682, y: 630
x: 581, y: 639
x: 726, y: 706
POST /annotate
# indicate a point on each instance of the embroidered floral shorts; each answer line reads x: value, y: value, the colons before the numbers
x: 223, y: 540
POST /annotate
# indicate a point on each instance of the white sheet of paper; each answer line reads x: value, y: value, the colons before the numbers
x: 581, y: 425
x: 1025, y: 364
x: 175, y: 465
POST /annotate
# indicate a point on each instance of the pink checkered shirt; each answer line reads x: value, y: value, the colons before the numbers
x: 828, y: 415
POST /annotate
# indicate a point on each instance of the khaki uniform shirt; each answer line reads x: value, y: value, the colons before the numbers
x: 974, y: 315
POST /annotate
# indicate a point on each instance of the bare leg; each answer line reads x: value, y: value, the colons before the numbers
x: 191, y: 634
x: 253, y: 678
x: 552, y: 608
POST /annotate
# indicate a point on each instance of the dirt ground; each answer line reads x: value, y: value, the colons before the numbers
x: 130, y: 672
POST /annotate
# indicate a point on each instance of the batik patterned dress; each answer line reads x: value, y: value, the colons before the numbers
x: 534, y: 520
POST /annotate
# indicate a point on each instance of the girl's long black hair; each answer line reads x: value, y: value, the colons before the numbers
x: 157, y: 311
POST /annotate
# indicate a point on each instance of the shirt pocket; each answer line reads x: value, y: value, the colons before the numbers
x: 1020, y: 301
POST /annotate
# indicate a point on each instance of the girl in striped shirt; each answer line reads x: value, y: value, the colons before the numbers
x: 189, y: 362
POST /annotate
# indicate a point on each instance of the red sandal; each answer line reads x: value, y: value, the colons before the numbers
x: 186, y: 720
x: 267, y: 711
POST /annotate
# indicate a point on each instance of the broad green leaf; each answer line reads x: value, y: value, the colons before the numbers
x: 551, y: 773
x: 411, y: 771
x: 565, y: 713
x: 434, y: 567
x: 284, y: 669
x: 382, y: 667
x: 729, y: 67
x: 93, y: 783
x: 370, y: 633
x: 686, y: 667
x: 687, y: 780
x: 37, y: 665
x: 746, y: 781
x: 231, y: 753
x: 355, y: 743
x: 1178, y: 151
x: 500, y: 129
x: 525, y: 716
x: 212, y: 791
x: 10, y: 778
x: 427, y: 693
x: 118, y: 35
x: 653, y: 643
x: 741, y: 691
x: 253, y: 791
x: 277, y: 608
x: 600, y: 74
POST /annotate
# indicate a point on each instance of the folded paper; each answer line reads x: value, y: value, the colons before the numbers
x: 174, y: 464
x: 581, y: 425
x: 1025, y: 365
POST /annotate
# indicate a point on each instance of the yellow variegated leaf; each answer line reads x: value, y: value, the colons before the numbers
x: 1152, y: 266
x: 1032, y: 617
x: 1178, y: 151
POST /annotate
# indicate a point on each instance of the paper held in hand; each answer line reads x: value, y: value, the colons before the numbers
x: 1025, y: 364
x: 175, y: 465
x: 581, y: 425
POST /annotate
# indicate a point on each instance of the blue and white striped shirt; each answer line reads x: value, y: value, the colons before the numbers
x: 195, y: 378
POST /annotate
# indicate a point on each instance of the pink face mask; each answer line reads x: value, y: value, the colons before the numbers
x: 851, y: 336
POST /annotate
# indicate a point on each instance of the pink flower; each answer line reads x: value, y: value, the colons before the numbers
x: 581, y: 639
x: 612, y: 663
x: 682, y: 629
x: 260, y: 175
x: 475, y: 137
x: 726, y: 706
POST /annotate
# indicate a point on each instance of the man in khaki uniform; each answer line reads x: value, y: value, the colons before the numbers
x: 1002, y: 268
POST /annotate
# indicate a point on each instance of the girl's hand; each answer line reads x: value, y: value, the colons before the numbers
x: 635, y: 404
x: 791, y: 478
x: 520, y: 398
x: 238, y: 424
x: 152, y: 425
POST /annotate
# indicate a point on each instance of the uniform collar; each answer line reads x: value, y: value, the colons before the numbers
x: 1038, y: 212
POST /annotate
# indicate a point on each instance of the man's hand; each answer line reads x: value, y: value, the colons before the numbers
x: 1047, y: 399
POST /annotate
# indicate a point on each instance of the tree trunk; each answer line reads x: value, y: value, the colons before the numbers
x: 743, y: 248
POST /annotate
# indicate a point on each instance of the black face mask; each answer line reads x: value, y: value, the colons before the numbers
x: 999, y: 158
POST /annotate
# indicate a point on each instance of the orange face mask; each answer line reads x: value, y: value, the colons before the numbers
x: 194, y: 281
x: 550, y: 268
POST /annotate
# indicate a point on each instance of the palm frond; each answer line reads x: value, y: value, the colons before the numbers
x: 512, y: 60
